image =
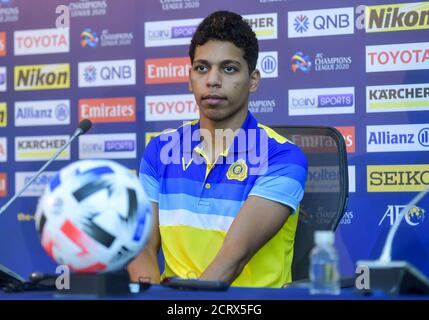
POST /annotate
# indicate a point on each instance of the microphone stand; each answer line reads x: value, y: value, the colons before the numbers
x: 77, y: 132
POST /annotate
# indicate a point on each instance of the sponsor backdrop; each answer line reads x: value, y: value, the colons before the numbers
x: 124, y: 65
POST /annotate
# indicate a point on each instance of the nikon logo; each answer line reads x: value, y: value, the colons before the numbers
x: 397, y: 178
x: 42, y: 77
x: 397, y: 17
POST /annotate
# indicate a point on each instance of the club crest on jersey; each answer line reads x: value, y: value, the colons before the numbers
x: 237, y: 170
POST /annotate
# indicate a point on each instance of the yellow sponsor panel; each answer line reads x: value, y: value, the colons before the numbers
x: 41, y: 154
x: 397, y: 17
x: 150, y: 135
x: 42, y: 77
x: 3, y: 114
x: 398, y: 178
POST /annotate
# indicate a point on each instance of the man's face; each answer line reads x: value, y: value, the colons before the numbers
x: 220, y: 80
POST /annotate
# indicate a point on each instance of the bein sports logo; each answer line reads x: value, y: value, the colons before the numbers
x: 301, y: 62
x: 301, y: 23
x: 89, y: 38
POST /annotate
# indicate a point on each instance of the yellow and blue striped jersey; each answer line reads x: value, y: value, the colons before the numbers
x: 198, y: 201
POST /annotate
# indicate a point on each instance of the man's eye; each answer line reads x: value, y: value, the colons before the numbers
x: 201, y: 68
x: 230, y: 69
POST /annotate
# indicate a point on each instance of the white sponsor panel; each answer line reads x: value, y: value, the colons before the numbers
x: 352, y: 178
x: 396, y: 98
x: 325, y: 179
x: 171, y: 107
x: 3, y: 79
x: 107, y: 73
x: 3, y: 149
x: 323, y: 22
x: 268, y: 64
x: 264, y: 25
x: 41, y: 41
x: 169, y: 32
x: 39, y: 148
x: 38, y: 186
x: 397, y: 57
x: 42, y: 113
x: 179, y: 32
x: 403, y: 137
x: 108, y: 146
x: 321, y: 101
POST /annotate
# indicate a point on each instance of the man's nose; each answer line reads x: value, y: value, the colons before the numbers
x: 214, y: 78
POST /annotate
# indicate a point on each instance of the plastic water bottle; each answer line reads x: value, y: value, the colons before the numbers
x: 324, y: 274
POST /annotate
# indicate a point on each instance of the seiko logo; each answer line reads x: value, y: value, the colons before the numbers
x: 405, y: 178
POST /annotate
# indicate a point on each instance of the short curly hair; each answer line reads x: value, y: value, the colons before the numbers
x: 227, y: 26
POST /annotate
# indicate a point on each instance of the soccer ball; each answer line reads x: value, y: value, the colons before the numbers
x: 94, y: 216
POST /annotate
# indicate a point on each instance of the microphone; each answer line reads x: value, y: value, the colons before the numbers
x: 396, y: 277
x: 82, y: 128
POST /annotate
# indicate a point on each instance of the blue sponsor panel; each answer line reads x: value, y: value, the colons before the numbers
x: 322, y: 63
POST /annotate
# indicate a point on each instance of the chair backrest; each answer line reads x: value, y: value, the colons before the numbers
x: 326, y: 190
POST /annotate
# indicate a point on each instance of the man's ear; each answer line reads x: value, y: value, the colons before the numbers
x: 255, y: 79
x: 189, y: 81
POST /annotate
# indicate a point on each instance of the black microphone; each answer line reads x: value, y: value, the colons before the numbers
x: 82, y: 128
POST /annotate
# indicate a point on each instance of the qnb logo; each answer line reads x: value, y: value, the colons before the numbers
x: 301, y: 62
x: 89, y: 38
x: 325, y: 22
x: 90, y: 74
x: 413, y: 217
x: 106, y: 73
x: 301, y: 23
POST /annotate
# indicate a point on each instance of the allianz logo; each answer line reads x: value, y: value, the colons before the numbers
x: 60, y: 112
x: 386, y: 137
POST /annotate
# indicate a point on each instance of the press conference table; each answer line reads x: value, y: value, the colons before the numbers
x: 157, y: 292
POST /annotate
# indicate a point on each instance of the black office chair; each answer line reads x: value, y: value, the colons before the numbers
x: 326, y: 191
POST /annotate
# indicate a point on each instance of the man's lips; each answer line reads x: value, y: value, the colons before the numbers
x: 213, y: 99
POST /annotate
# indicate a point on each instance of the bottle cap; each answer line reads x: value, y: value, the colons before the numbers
x: 324, y: 237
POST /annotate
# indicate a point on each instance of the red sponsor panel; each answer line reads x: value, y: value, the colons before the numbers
x: 3, y: 184
x: 349, y: 137
x: 108, y: 109
x: 167, y: 70
x: 3, y: 44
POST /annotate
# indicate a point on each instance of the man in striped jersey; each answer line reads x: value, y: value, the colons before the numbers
x: 225, y: 189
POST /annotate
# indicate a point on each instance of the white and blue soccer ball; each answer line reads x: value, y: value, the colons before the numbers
x: 94, y: 216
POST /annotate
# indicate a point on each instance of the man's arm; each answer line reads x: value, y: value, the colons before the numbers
x: 257, y: 222
x: 145, y: 265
